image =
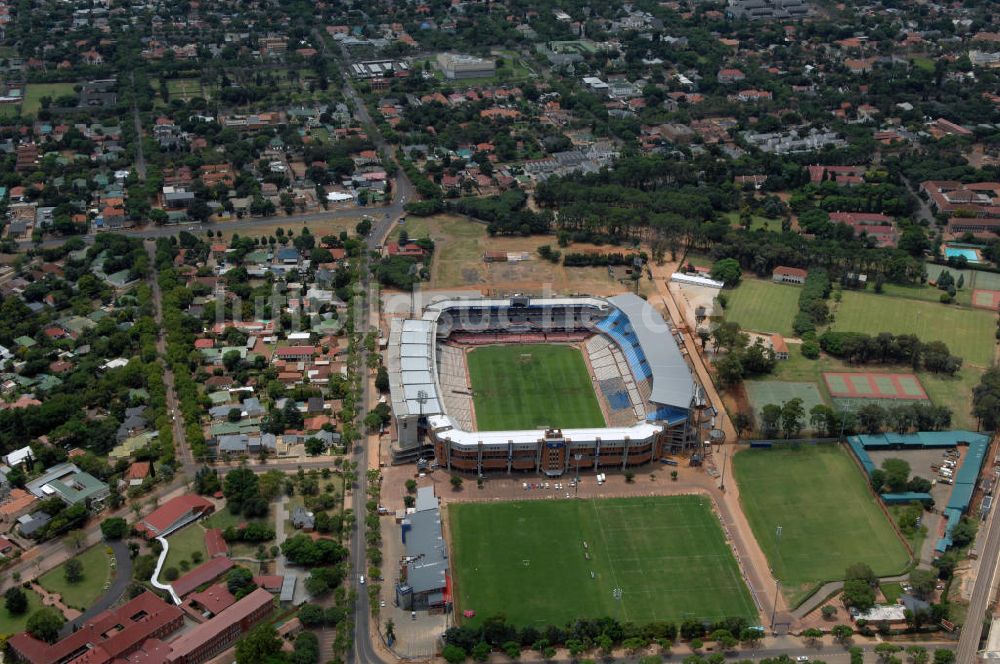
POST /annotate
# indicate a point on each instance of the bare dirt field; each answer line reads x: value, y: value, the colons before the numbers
x: 460, y: 245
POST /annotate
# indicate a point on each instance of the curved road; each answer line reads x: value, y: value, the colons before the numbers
x: 123, y: 575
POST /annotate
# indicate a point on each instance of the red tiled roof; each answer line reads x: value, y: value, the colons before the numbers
x: 790, y: 271
x: 201, y: 575
x: 269, y: 582
x: 215, y: 544
x: 295, y: 351
x: 138, y: 471
x: 168, y: 514
x: 206, y: 632
x: 216, y: 598
x: 111, y: 634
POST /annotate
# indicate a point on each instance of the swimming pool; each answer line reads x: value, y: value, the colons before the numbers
x: 971, y: 255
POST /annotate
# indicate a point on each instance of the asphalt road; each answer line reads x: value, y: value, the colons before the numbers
x: 989, y: 548
x: 181, y: 448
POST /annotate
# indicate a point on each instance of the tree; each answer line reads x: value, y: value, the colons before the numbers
x: 829, y: 612
x: 886, y: 651
x: 314, y: 446
x: 114, y: 528
x: 206, y: 481
x: 73, y: 570
x: 792, y: 413
x: 812, y: 635
x: 241, y: 489
x: 481, y: 651
x: 944, y: 657
x: 897, y: 474
x: 259, y: 645
x: 918, y: 655
x: 239, y: 582
x: 862, y: 572
x: 45, y: 623
x: 16, y: 601
x: 453, y: 654
x: 411, y: 486
x: 858, y: 594
x: 382, y: 379
x: 311, y: 615
x: 842, y: 633
x: 171, y: 574
x: 923, y: 582
x: 770, y: 416
x: 727, y: 271
x: 456, y: 482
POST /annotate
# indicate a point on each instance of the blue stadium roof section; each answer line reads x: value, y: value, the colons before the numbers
x: 673, y: 384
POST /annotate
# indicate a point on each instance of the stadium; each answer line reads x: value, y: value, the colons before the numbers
x: 540, y: 385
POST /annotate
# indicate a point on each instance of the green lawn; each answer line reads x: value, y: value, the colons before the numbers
x: 35, y: 91
x: 96, y: 572
x: 892, y: 591
x: 527, y: 560
x: 183, y: 543
x: 968, y: 332
x: 532, y: 386
x: 828, y: 518
x: 11, y: 624
x: 764, y: 306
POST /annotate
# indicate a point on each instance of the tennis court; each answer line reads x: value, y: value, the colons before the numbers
x: 868, y: 385
x: 986, y: 299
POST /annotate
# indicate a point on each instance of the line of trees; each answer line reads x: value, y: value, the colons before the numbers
x: 813, y: 309
x: 888, y: 348
x: 584, y: 635
x: 600, y: 260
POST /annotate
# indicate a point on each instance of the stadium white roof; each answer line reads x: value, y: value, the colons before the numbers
x: 434, y: 311
x: 412, y: 382
x: 458, y: 436
x: 673, y: 384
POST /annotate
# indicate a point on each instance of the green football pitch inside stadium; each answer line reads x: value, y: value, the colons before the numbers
x: 549, y: 562
x: 532, y: 386
x: 827, y: 517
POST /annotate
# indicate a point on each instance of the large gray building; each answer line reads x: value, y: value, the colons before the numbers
x: 424, y: 574
x: 767, y: 10
x: 455, y: 66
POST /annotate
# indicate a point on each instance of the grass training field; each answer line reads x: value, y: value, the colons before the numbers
x: 527, y: 560
x: 183, y: 543
x: 763, y: 306
x: 764, y: 392
x: 968, y: 332
x: 828, y: 518
x: 34, y: 92
x: 532, y: 386
x: 96, y: 572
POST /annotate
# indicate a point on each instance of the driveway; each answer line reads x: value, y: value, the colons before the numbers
x: 123, y: 576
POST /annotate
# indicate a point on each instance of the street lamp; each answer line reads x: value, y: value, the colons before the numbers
x: 576, y: 482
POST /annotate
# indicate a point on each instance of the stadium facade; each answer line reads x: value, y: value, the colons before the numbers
x: 630, y: 347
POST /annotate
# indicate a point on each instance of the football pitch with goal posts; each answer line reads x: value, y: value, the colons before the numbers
x: 813, y: 515
x: 549, y: 562
x: 528, y: 386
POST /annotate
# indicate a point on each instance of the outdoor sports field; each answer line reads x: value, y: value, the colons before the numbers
x: 968, y: 332
x: 870, y: 385
x: 527, y: 560
x: 531, y: 386
x: 763, y: 306
x: 828, y: 518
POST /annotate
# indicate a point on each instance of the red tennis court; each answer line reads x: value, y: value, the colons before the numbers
x: 868, y: 385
